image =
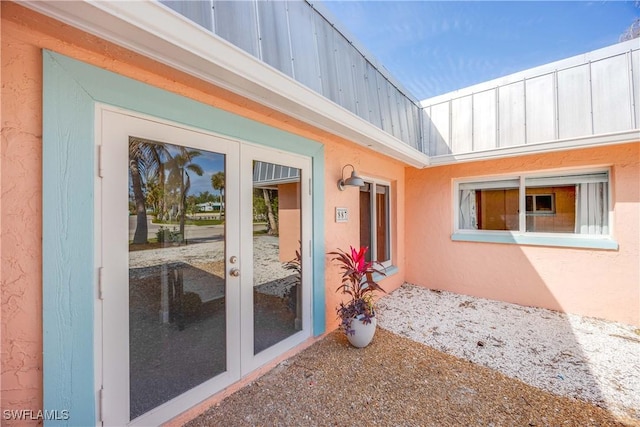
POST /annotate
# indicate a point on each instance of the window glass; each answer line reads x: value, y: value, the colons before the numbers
x: 569, y: 203
x: 375, y: 221
x: 365, y: 218
x: 382, y: 223
x: 489, y: 205
x: 581, y: 203
x: 551, y: 209
x: 592, y: 212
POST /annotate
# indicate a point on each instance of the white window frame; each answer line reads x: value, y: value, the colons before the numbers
x: 373, y: 246
x: 534, y: 204
x: 521, y: 236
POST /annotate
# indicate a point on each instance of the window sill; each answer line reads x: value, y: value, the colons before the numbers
x: 538, y: 240
x: 388, y: 271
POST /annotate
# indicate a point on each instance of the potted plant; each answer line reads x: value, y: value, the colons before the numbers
x: 357, y: 315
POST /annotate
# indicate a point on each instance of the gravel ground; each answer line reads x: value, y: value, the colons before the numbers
x: 544, y: 369
x: 267, y: 266
x: 569, y: 355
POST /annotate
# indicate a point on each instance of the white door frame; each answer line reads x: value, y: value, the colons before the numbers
x: 112, y: 328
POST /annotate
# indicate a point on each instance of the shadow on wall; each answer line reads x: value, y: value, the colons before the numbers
x: 434, y: 143
x: 580, y: 357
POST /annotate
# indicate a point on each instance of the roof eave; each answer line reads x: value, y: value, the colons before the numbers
x: 157, y: 32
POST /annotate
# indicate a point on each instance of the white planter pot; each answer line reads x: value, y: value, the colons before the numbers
x: 363, y: 332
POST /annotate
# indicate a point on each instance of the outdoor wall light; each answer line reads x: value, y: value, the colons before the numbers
x: 354, y: 180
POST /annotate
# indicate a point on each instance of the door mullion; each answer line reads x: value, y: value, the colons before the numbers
x: 234, y: 249
x: 246, y: 247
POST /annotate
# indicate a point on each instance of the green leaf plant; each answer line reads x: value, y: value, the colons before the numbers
x: 358, y: 283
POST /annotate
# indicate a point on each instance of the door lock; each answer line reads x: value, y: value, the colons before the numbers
x: 234, y: 272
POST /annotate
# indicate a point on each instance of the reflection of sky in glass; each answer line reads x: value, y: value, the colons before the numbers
x: 211, y: 163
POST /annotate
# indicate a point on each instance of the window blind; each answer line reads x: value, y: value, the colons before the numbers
x: 545, y: 181
x: 490, y: 185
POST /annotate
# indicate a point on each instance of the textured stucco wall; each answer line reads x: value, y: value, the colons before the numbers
x: 20, y: 213
x: 343, y: 235
x: 24, y: 35
x: 597, y: 283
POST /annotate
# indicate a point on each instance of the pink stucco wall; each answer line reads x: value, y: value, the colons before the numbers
x: 343, y: 235
x: 597, y: 283
x: 24, y: 35
x: 20, y: 221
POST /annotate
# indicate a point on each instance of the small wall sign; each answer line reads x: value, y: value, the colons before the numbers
x: 342, y: 215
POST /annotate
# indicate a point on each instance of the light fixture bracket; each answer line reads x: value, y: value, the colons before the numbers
x: 353, y: 181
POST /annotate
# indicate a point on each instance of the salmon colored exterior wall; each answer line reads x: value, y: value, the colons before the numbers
x: 24, y: 35
x: 345, y: 234
x: 597, y: 283
x: 21, y: 224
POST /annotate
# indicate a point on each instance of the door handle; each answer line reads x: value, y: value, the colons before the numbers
x: 234, y: 272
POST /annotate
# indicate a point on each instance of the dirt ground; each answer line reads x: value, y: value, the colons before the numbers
x: 394, y: 381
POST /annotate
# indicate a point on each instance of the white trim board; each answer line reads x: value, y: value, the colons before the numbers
x: 538, y: 148
x: 157, y: 32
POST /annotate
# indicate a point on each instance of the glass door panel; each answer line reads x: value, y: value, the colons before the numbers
x: 177, y: 314
x: 191, y: 299
x: 277, y: 254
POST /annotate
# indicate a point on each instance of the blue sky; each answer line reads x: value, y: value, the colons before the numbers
x: 434, y: 47
x: 210, y: 162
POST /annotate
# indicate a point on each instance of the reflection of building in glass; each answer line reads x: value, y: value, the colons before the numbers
x: 209, y: 206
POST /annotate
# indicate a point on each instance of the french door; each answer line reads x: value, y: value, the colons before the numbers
x: 204, y: 255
